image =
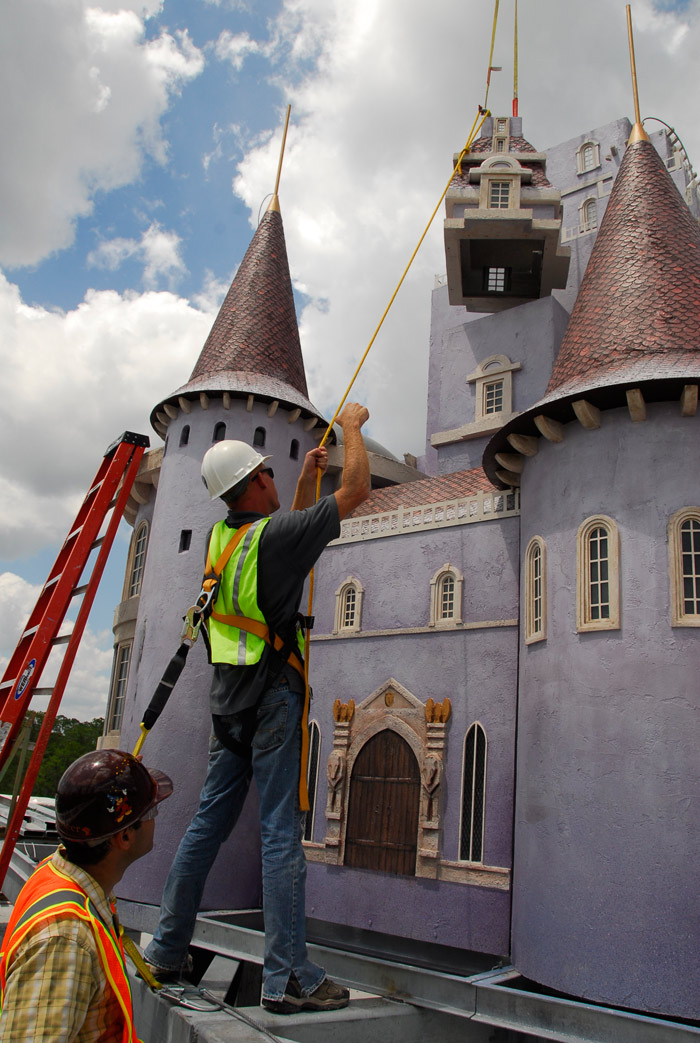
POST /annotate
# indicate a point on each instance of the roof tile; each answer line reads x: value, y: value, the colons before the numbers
x: 425, y: 491
x: 637, y: 313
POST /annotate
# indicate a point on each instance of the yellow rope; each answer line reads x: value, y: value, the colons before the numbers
x: 303, y: 793
x: 515, y: 63
x: 493, y: 43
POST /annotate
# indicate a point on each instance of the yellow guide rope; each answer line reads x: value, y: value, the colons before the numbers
x: 476, y: 127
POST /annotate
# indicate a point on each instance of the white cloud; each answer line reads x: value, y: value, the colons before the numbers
x: 80, y: 107
x: 382, y: 96
x: 234, y: 48
x: 79, y: 379
x: 158, y: 250
x: 86, y: 692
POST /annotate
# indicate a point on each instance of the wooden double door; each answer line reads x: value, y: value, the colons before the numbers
x: 382, y: 825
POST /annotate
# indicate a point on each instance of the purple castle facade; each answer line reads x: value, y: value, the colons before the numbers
x: 504, y: 720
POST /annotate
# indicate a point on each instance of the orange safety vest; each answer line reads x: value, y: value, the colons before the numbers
x: 50, y: 894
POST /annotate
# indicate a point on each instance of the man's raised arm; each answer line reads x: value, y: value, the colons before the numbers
x: 356, y: 479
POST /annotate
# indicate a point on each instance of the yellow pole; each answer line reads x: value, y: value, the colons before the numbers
x: 274, y: 204
x: 638, y: 131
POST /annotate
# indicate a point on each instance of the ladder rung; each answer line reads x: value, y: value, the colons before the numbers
x: 63, y: 640
x: 74, y: 533
x: 94, y: 488
x: 97, y: 543
x: 79, y: 590
x: 50, y: 582
x: 42, y: 691
x: 28, y: 633
x: 8, y: 684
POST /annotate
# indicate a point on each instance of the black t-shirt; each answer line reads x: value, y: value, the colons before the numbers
x: 290, y: 544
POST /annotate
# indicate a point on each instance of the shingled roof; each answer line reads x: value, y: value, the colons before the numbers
x: 425, y: 491
x: 637, y: 314
x: 636, y: 320
x: 253, y: 346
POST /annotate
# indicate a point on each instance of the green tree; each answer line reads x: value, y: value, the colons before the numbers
x: 69, y: 740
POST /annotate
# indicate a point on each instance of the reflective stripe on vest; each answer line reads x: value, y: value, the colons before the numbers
x: 238, y: 596
x: 50, y: 894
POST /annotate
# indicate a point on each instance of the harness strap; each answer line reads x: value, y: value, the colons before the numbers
x: 261, y: 630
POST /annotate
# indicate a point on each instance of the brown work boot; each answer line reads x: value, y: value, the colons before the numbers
x: 328, y: 996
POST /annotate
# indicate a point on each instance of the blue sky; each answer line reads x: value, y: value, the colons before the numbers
x: 140, y: 139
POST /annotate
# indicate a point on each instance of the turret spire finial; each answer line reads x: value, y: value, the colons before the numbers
x: 638, y: 131
x: 274, y: 202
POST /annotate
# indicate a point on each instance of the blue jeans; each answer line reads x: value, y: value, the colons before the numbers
x: 275, y: 765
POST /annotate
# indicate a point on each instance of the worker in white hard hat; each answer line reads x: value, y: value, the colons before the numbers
x: 256, y: 701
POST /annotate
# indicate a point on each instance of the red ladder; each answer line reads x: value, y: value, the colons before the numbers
x: 109, y: 491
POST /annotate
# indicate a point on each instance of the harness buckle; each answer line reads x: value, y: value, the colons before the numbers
x: 190, y: 630
x: 307, y: 622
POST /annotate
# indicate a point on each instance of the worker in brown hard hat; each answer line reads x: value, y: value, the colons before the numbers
x: 62, y: 973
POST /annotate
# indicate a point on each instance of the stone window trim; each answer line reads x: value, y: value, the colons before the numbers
x: 342, y: 624
x: 504, y: 169
x: 469, y: 790
x: 588, y: 215
x: 138, y: 548
x: 120, y: 680
x: 587, y: 157
x: 598, y: 590
x: 495, y: 368
x: 535, y: 591
x: 680, y: 616
x: 437, y: 590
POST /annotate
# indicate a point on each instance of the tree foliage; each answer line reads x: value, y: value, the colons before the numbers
x: 69, y: 740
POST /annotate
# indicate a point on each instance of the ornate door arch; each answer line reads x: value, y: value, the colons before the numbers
x: 383, y: 806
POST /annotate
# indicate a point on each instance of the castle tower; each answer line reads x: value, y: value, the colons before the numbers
x: 248, y: 383
x: 607, y: 812
x: 503, y: 223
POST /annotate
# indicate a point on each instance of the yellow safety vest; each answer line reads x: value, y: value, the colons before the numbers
x: 50, y: 894
x: 238, y: 631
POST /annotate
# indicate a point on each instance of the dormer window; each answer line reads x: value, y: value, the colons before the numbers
x: 501, y: 125
x: 499, y: 195
x: 494, y: 387
x: 588, y: 157
x: 493, y: 396
x: 500, y: 144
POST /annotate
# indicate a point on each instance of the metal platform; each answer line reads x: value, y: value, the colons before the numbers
x: 457, y: 1005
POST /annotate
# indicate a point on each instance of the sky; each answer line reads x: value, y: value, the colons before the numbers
x: 140, y: 145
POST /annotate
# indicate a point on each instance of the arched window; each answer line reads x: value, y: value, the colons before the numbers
x: 588, y: 215
x: 588, y: 157
x: 120, y: 678
x: 684, y: 559
x: 312, y: 776
x: 219, y: 432
x: 598, y: 575
x: 294, y: 450
x: 348, y: 606
x: 446, y: 596
x: 185, y: 435
x: 471, y: 838
x: 535, y: 591
x: 259, y: 437
x: 138, y: 560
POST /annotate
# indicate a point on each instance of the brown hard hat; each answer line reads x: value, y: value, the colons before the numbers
x: 105, y: 791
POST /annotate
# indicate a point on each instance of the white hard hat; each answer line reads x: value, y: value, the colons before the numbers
x: 226, y: 464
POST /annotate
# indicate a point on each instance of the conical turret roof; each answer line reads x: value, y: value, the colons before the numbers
x: 253, y: 346
x: 637, y: 314
x: 636, y: 321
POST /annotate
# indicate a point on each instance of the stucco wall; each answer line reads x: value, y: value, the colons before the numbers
x: 607, y: 807
x: 178, y: 743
